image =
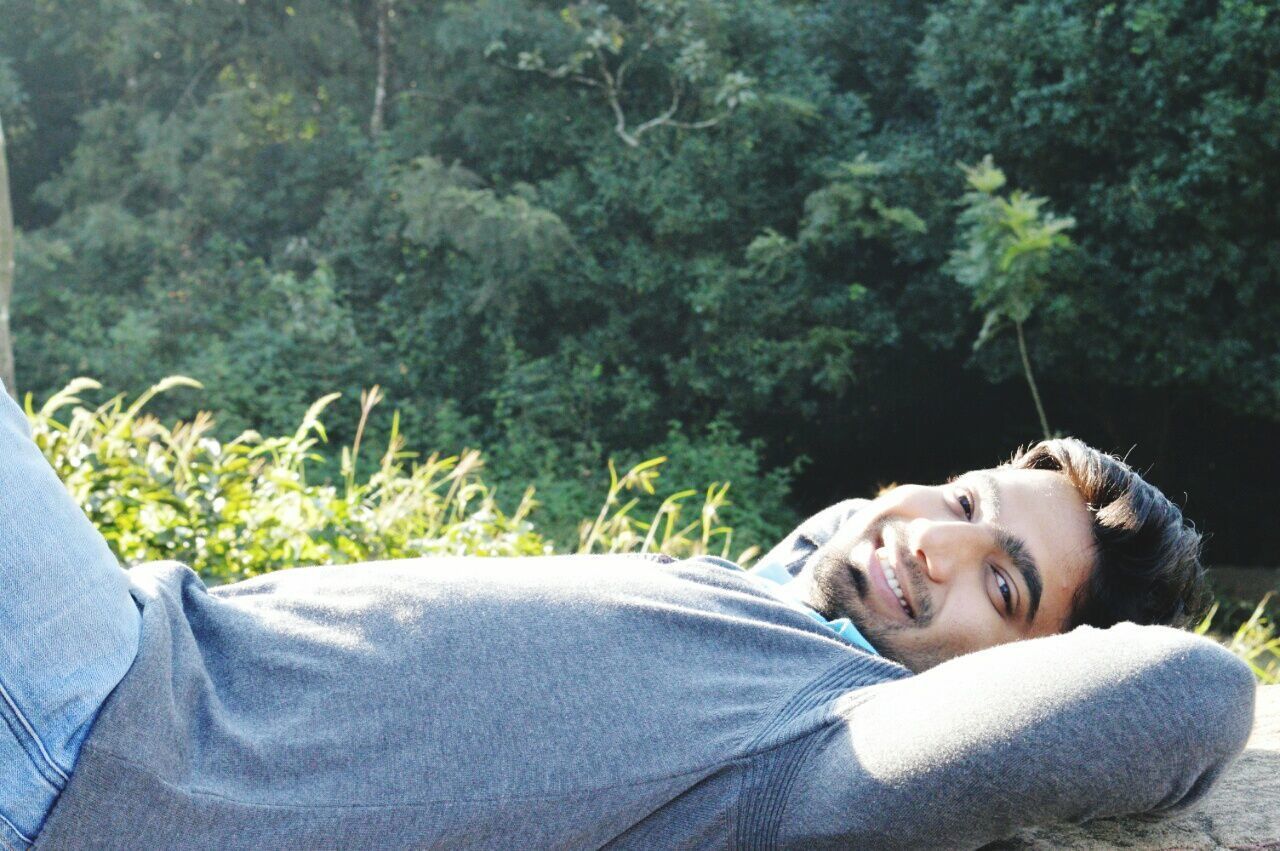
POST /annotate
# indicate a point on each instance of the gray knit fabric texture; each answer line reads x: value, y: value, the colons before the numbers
x: 587, y: 702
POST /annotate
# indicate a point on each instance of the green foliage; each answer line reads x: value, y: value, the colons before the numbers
x: 1255, y: 639
x: 796, y: 321
x: 850, y: 207
x: 507, y: 241
x: 569, y: 479
x: 676, y: 46
x: 757, y: 506
x: 1154, y: 123
x: 1008, y: 244
x: 244, y: 507
x: 615, y: 529
x: 251, y: 505
x: 198, y: 192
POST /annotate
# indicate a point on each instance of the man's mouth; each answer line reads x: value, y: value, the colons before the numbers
x: 882, y: 563
x: 892, y: 578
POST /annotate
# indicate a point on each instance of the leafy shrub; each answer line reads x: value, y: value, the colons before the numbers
x: 236, y: 509
x: 569, y: 478
x: 1255, y: 639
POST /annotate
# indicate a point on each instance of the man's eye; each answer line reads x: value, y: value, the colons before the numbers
x: 1003, y: 585
x: 966, y: 505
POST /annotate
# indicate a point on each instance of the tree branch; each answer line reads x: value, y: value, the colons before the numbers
x: 1031, y: 381
x: 611, y: 94
x: 561, y: 73
x: 377, y: 119
x: 700, y: 125
x: 665, y: 116
x: 6, y: 271
x: 610, y: 82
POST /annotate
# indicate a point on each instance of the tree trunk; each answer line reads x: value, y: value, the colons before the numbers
x: 377, y: 120
x: 1031, y: 381
x: 6, y: 271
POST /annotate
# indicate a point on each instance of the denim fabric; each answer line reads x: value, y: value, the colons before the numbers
x: 69, y: 630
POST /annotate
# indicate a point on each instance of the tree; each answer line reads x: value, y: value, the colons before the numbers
x: 1170, y: 175
x: 6, y: 269
x: 378, y: 117
x: 1007, y: 245
x: 665, y: 43
x: 237, y: 191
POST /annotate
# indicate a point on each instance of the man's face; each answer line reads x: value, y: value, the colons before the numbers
x: 993, y: 556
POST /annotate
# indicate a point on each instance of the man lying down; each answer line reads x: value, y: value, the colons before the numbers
x: 936, y: 667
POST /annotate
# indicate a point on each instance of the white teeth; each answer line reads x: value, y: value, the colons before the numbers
x: 896, y: 586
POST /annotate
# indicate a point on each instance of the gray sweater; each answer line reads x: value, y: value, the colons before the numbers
x: 585, y: 702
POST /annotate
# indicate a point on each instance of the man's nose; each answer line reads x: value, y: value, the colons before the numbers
x: 944, y: 548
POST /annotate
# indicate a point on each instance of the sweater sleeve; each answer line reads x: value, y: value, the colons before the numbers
x: 793, y: 551
x: 1071, y: 727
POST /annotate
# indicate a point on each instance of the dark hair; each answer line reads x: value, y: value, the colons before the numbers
x: 1146, y: 557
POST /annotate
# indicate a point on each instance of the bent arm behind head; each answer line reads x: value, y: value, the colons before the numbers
x: 1070, y: 727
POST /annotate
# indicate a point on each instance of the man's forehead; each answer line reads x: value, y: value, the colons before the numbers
x: 1044, y: 511
x: 998, y: 480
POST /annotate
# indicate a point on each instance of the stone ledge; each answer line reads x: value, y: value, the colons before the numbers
x: 1242, y: 813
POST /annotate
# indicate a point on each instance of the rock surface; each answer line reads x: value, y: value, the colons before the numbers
x: 1242, y: 813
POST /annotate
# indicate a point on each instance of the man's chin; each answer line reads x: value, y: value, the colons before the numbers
x: 835, y: 593
x: 837, y: 590
x: 889, y: 649
x: 914, y: 658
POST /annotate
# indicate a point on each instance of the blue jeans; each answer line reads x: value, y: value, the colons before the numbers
x: 68, y: 630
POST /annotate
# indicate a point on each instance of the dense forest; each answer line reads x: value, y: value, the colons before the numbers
x: 807, y: 246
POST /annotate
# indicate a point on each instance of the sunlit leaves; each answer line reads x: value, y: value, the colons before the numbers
x: 1008, y: 244
x: 251, y: 505
x: 1006, y: 248
x: 623, y: 52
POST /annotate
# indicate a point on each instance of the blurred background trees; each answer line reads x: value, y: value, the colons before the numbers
x: 445, y: 199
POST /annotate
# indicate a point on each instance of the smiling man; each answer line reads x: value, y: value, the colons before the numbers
x: 862, y: 688
x: 1062, y: 535
x: 949, y: 571
x: 930, y: 573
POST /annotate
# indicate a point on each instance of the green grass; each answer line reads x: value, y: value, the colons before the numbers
x: 257, y: 504
x: 1254, y: 638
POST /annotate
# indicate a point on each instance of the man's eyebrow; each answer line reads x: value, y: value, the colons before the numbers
x: 1021, y: 557
x: 1012, y: 545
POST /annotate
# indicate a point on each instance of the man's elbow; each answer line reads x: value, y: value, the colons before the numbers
x: 1209, y: 694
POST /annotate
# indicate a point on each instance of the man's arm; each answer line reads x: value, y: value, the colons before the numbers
x: 1071, y: 727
